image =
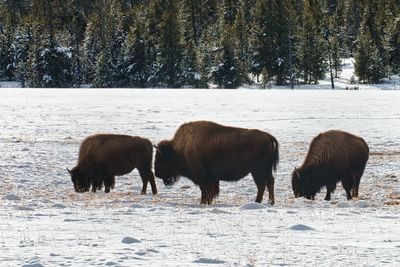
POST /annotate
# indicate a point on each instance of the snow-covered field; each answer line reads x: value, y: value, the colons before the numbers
x: 43, y: 222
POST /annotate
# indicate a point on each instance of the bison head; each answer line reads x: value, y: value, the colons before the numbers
x: 301, y: 184
x: 296, y: 184
x: 164, y: 164
x: 81, y: 183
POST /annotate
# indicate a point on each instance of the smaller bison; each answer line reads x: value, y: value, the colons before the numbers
x: 333, y: 156
x: 207, y: 153
x: 104, y: 156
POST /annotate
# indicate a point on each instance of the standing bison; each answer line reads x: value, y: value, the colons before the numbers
x: 206, y: 153
x: 104, y: 156
x: 333, y: 156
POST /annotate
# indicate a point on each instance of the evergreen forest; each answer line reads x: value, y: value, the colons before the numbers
x: 195, y: 43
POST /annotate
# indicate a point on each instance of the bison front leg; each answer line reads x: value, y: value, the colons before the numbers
x: 209, y: 192
x: 329, y: 191
x: 97, y: 184
x: 204, y: 195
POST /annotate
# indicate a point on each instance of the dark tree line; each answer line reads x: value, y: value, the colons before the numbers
x: 194, y: 43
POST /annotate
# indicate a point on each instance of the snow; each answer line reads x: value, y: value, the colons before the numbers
x: 11, y: 84
x: 51, y: 225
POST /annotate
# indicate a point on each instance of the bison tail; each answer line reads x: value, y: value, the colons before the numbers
x: 275, y: 156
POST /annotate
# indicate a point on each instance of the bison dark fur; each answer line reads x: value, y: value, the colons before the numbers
x: 333, y: 156
x: 104, y: 156
x: 206, y: 153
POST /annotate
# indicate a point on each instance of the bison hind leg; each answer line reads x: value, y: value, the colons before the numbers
x: 264, y: 178
x: 348, y: 185
x: 354, y: 191
x: 148, y: 176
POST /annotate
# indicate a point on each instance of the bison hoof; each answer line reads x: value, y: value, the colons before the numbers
x: 271, y: 202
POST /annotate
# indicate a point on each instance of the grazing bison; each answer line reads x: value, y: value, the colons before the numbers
x: 104, y: 156
x: 206, y: 153
x: 333, y: 156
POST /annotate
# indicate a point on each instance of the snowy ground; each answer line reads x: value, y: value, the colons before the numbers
x: 44, y: 223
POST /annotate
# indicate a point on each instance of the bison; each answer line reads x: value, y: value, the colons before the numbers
x: 104, y: 156
x: 207, y: 152
x: 333, y: 156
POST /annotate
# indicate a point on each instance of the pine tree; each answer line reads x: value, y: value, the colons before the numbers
x: 168, y: 67
x: 270, y: 40
x: 393, y: 43
x: 226, y: 74
x: 207, y: 55
x: 242, y: 46
x: 7, y: 60
x: 191, y: 74
x: 353, y: 11
x: 49, y: 64
x: 77, y: 26
x: 22, y: 44
x: 110, y: 66
x: 369, y: 65
x: 311, y: 49
x: 135, y: 60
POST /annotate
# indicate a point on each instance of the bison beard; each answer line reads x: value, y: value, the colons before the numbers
x: 104, y: 156
x: 333, y: 156
x: 206, y: 152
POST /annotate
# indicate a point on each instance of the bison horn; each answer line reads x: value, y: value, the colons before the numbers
x: 69, y: 171
x: 297, y: 172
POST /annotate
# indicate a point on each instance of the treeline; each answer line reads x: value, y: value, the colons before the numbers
x: 194, y: 43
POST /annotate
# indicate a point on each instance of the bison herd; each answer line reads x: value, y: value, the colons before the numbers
x: 207, y: 153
